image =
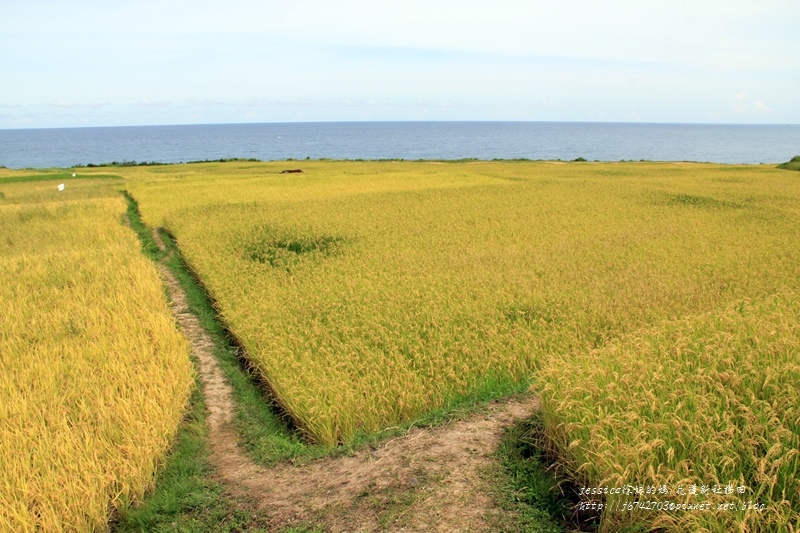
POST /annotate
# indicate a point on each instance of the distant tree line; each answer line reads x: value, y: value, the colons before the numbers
x: 126, y: 163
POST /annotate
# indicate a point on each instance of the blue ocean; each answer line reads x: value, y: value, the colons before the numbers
x: 717, y: 143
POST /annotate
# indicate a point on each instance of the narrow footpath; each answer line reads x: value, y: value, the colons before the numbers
x: 431, y: 479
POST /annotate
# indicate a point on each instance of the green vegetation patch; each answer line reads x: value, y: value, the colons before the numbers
x: 793, y: 164
x: 281, y: 250
x: 691, y: 200
x: 528, y: 484
x: 63, y: 176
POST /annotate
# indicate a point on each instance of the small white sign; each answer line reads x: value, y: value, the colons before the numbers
x: 60, y: 186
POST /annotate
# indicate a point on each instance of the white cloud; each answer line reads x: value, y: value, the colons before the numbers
x: 469, y: 59
x: 147, y: 102
x: 761, y: 107
x: 747, y: 105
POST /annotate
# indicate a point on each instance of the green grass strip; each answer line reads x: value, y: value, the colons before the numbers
x: 186, y: 498
x: 62, y: 176
x: 527, y: 486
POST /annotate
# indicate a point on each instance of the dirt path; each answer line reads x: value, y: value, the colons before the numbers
x: 433, y: 479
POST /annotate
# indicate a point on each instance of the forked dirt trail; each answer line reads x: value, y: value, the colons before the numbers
x: 432, y: 479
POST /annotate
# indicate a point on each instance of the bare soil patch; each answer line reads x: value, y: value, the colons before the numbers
x: 431, y: 479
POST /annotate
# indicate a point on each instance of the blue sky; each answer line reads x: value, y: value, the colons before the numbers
x: 131, y: 62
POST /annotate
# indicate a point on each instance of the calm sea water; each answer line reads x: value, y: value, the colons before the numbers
x: 40, y: 148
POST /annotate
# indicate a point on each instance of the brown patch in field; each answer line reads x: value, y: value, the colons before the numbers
x: 431, y: 479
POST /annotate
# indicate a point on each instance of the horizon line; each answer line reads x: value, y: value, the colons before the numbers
x: 406, y: 122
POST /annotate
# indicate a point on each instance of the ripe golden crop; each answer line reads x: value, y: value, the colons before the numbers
x: 94, y: 376
x: 368, y: 293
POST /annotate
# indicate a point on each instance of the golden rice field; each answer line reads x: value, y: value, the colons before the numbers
x: 94, y: 375
x: 705, y: 400
x: 653, y: 306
